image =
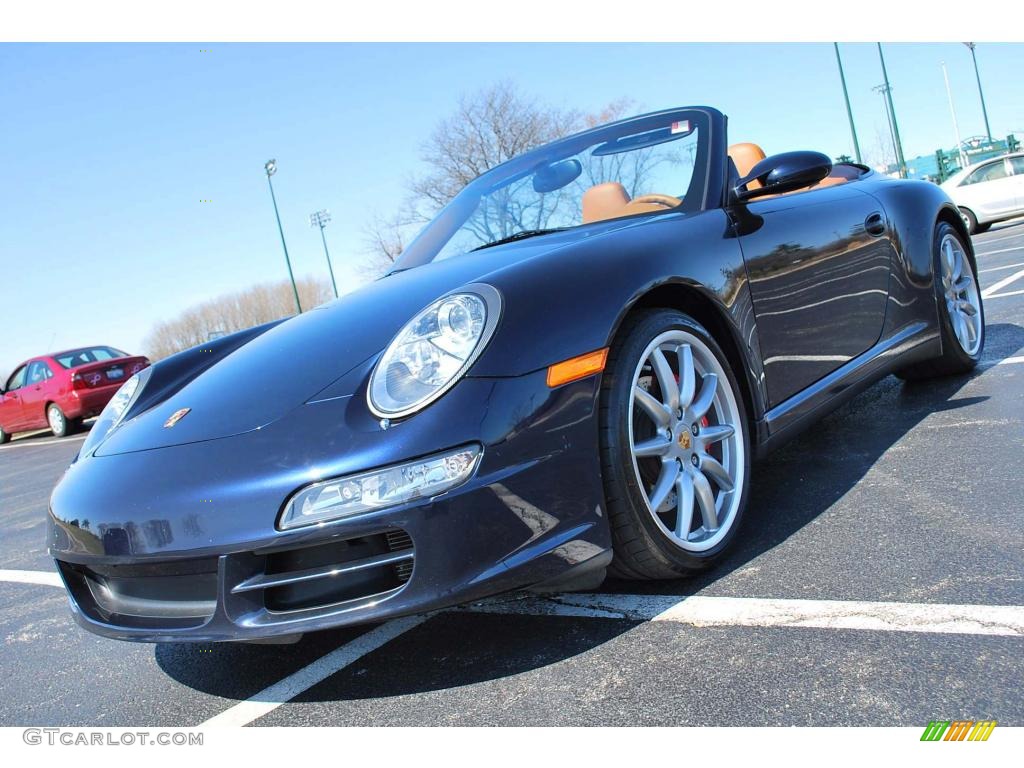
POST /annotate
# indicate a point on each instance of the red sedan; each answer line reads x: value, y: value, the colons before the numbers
x: 60, y: 390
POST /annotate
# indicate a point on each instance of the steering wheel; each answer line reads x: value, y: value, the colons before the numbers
x: 666, y: 200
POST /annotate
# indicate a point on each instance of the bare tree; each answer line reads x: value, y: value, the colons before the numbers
x: 385, y: 238
x: 233, y: 312
x: 487, y: 128
x: 880, y: 154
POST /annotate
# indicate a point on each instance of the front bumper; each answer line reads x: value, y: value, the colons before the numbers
x: 180, y: 544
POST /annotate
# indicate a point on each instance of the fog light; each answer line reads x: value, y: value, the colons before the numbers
x: 380, y: 488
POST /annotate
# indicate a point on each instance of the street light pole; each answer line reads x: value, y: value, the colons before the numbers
x: 846, y: 98
x: 984, y: 112
x: 271, y: 168
x: 320, y: 219
x: 892, y: 116
x: 956, y: 127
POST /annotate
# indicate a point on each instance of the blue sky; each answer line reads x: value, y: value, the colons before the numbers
x: 109, y: 149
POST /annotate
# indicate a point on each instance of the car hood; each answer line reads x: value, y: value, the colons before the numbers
x: 307, y: 357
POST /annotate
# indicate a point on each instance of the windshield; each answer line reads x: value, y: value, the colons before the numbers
x: 638, y: 167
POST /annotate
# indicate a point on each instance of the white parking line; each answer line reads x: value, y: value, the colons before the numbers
x: 698, y: 611
x: 46, y: 578
x: 1004, y: 295
x: 271, y: 698
x: 988, y: 240
x: 1004, y: 361
x: 759, y: 612
x: 1002, y: 284
x: 1000, y: 269
x: 33, y: 443
x: 993, y: 253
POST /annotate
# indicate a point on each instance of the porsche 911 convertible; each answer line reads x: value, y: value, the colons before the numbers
x: 567, y: 374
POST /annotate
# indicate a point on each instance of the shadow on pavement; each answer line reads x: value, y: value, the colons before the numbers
x: 789, y: 489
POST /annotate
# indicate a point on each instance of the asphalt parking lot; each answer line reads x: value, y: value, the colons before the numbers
x: 909, y: 496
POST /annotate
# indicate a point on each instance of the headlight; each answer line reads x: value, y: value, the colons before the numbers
x: 433, y: 351
x: 114, y: 413
x: 388, y: 487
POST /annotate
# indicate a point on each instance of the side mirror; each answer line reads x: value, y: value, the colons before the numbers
x: 782, y: 173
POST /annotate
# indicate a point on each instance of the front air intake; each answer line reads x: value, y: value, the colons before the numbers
x: 336, y: 572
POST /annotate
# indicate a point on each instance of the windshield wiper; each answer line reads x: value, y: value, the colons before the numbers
x: 519, y: 236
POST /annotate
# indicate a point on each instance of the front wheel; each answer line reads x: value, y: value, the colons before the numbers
x: 4, y: 436
x: 675, y: 447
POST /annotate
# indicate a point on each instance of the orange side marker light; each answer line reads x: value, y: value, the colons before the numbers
x: 577, y: 367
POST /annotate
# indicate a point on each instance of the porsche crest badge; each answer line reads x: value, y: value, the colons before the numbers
x: 177, y: 416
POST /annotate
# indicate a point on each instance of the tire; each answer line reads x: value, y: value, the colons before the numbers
x: 961, y: 350
x: 4, y: 436
x: 57, y: 420
x: 980, y: 228
x: 970, y: 220
x: 685, y: 469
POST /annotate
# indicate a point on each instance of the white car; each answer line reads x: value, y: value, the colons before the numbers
x: 989, y: 191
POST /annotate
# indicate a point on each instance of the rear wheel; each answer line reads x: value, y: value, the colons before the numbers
x: 57, y: 420
x: 961, y: 313
x: 674, y: 447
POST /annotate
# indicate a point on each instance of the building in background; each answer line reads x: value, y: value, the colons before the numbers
x: 943, y: 163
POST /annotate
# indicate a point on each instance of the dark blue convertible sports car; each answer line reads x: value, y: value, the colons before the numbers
x: 567, y: 373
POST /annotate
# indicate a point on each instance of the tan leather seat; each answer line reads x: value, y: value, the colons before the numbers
x: 745, y: 156
x: 604, y: 201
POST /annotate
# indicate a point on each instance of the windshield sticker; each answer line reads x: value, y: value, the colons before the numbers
x: 681, y: 126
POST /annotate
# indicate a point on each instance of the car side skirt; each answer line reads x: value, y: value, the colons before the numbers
x: 915, y: 342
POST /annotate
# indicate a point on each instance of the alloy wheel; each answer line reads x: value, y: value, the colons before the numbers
x: 963, y: 304
x: 686, y: 440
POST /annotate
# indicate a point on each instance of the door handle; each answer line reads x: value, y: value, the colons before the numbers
x: 875, y: 224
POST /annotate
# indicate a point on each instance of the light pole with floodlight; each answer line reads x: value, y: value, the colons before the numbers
x: 984, y: 112
x: 887, y: 94
x: 320, y: 219
x: 271, y: 168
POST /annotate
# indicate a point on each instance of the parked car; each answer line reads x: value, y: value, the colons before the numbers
x: 989, y: 191
x: 60, y: 390
x: 568, y: 371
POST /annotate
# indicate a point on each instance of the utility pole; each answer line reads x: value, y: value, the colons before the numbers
x: 320, y: 219
x: 984, y: 112
x: 846, y: 98
x: 892, y: 117
x: 956, y: 127
x: 271, y: 168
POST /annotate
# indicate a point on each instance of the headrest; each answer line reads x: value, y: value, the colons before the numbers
x: 745, y: 156
x: 604, y: 201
